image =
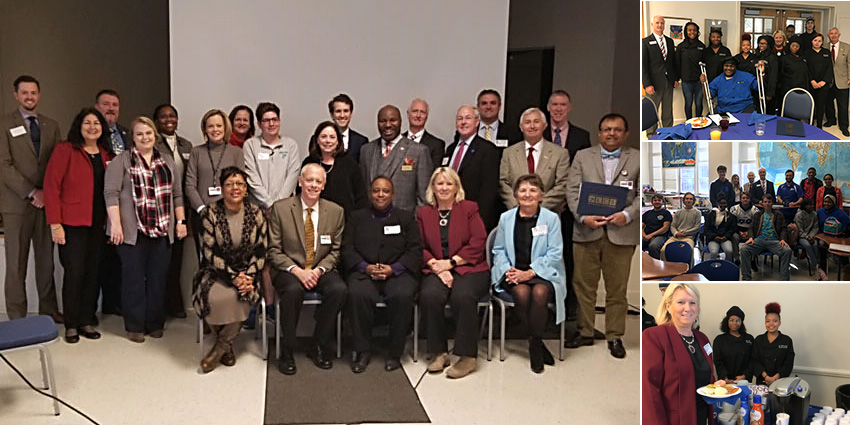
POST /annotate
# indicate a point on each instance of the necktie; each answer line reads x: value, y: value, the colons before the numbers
x: 117, y: 147
x: 388, y: 149
x: 309, y: 240
x: 458, y: 155
x: 663, y: 48
x: 530, y: 160
x: 833, y: 53
x: 35, y: 134
x: 606, y: 155
x: 487, y: 133
x: 558, y: 136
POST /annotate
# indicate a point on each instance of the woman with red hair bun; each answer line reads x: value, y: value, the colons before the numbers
x: 773, y: 351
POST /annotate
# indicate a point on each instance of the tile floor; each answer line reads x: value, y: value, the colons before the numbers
x: 119, y: 382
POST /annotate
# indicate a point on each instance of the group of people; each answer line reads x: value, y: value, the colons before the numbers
x: 758, y: 217
x: 678, y: 358
x: 786, y: 61
x: 400, y: 220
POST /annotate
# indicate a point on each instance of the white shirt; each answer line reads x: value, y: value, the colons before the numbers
x: 393, y: 144
x: 610, y: 165
x: 465, y: 150
x: 345, y: 139
x: 536, y: 154
x: 494, y: 130
x: 417, y: 137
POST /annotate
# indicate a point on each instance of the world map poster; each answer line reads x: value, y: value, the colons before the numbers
x: 826, y: 157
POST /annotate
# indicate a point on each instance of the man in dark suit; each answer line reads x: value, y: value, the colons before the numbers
x: 25, y: 146
x: 573, y: 138
x: 406, y: 163
x: 305, y: 236
x: 109, y: 104
x: 341, y: 107
x: 417, y: 116
x: 659, y: 70
x: 476, y: 161
x: 489, y: 104
x: 761, y: 187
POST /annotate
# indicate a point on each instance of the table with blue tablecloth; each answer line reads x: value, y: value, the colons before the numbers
x: 742, y: 131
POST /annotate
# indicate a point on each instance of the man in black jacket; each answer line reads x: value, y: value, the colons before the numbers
x: 767, y: 233
x: 721, y: 185
x: 417, y: 116
x: 659, y: 70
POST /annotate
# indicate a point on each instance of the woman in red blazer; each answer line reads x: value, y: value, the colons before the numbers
x: 456, y: 271
x: 76, y: 212
x: 677, y: 360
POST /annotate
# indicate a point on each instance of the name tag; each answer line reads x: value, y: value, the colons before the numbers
x: 263, y: 155
x: 721, y: 54
x: 653, y: 42
x: 214, y: 191
x: 446, y: 161
x: 539, y: 230
x: 283, y: 154
x: 700, y: 48
x: 707, y: 348
x: 502, y: 143
x: 185, y: 156
x: 406, y: 168
x: 627, y: 184
x: 18, y: 131
x: 325, y: 239
x: 392, y: 230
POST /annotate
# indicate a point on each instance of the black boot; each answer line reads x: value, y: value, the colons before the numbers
x: 535, y: 354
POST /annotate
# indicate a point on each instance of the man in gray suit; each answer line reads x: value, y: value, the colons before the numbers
x: 406, y: 163
x: 25, y: 146
x: 535, y: 155
x: 840, y: 53
x: 417, y: 116
x: 608, y: 240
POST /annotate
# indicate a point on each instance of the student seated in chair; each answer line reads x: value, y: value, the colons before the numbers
x: 733, y: 89
x: 767, y: 233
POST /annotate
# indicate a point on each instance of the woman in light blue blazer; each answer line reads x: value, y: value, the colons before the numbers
x: 528, y: 262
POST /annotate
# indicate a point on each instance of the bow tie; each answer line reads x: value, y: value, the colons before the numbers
x: 606, y: 155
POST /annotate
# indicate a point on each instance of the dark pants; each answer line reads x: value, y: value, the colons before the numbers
x: 400, y: 296
x: 144, y: 268
x: 80, y: 257
x: 463, y: 297
x: 822, y: 96
x: 109, y: 279
x: 290, y: 291
x: 21, y: 229
x: 173, y: 294
x: 841, y: 98
x: 567, y: 222
x: 197, y: 228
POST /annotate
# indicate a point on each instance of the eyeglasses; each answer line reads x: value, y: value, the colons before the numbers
x: 269, y: 120
x: 235, y: 185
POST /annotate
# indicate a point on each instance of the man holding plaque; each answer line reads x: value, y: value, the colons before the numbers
x: 604, y: 239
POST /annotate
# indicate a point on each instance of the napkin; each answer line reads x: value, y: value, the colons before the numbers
x: 679, y: 132
x: 757, y: 117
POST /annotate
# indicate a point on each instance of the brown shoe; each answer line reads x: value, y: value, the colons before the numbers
x: 58, y: 318
x: 136, y: 336
x: 463, y: 367
x: 440, y: 362
x: 156, y: 334
x: 228, y: 358
x: 212, y: 359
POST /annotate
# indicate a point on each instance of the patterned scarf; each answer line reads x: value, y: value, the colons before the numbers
x: 151, y: 193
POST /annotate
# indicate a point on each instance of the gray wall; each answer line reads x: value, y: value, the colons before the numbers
x: 596, y: 54
x: 77, y: 47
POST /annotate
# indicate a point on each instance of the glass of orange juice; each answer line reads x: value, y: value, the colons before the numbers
x: 715, y: 133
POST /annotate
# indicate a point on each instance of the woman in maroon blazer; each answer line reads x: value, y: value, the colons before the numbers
x: 456, y: 271
x: 676, y: 361
x: 76, y: 212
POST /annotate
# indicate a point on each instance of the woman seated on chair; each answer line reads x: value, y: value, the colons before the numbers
x: 382, y: 254
x: 528, y: 262
x: 234, y: 237
x: 720, y: 227
x: 456, y: 271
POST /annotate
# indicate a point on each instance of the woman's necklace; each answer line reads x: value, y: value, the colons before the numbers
x: 690, y: 343
x: 444, y: 219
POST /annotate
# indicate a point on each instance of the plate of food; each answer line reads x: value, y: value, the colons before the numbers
x: 718, y: 391
x: 699, y: 122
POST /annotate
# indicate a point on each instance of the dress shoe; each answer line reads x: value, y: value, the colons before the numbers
x: 548, y: 359
x: 359, y: 361
x: 615, y: 346
x: 578, y: 340
x: 845, y: 132
x: 392, y: 363
x: 440, y: 362
x: 136, y: 336
x: 463, y: 367
x: 228, y: 358
x: 535, y: 354
x: 320, y: 358
x: 58, y: 318
x: 89, y: 332
x: 212, y: 359
x: 829, y: 124
x: 71, y: 336
x: 286, y: 364
x: 155, y: 334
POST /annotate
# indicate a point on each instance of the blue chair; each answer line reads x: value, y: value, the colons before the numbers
x: 799, y: 105
x: 649, y: 114
x: 310, y: 298
x: 261, y: 329
x: 721, y: 270
x: 679, y: 252
x: 33, y: 332
x: 767, y: 254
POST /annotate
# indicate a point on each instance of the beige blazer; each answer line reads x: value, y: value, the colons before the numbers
x: 286, y: 234
x: 587, y: 166
x: 841, y: 67
x: 21, y: 171
x: 552, y: 167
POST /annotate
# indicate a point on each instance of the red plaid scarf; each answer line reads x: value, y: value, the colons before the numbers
x: 151, y: 193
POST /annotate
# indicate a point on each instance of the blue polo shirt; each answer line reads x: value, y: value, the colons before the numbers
x: 734, y: 94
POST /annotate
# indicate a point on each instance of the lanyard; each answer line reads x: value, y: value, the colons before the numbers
x: 220, y: 158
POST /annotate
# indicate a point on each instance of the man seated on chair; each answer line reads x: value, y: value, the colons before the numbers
x: 767, y: 233
x: 744, y: 213
x: 685, y: 223
x: 733, y: 89
x: 304, y: 249
x: 656, y: 224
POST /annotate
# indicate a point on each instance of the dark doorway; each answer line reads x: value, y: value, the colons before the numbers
x: 528, y: 82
